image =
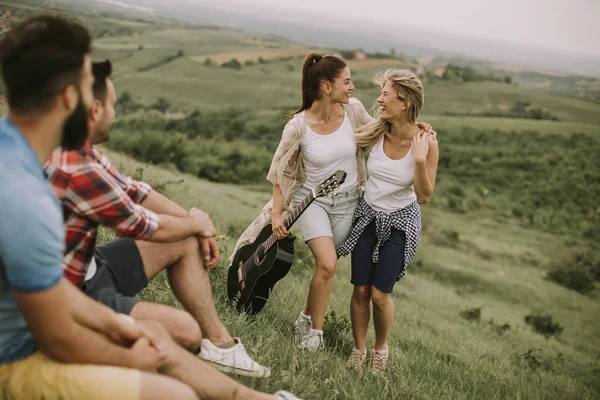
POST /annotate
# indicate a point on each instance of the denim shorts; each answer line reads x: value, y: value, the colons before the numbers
x: 327, y: 216
x: 383, y: 274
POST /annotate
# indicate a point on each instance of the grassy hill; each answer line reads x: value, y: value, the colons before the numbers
x: 148, y: 67
x: 515, y: 205
x: 460, y: 330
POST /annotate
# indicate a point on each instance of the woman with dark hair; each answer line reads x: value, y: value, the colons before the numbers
x: 318, y: 139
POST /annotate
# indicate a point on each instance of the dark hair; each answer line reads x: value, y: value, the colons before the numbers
x: 316, y: 69
x: 39, y: 57
x: 101, y: 71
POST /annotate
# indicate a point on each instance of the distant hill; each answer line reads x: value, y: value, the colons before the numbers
x: 354, y: 32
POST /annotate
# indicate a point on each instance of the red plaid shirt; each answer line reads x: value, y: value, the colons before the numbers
x: 93, y: 192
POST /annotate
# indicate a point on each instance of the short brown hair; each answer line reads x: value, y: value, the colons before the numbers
x: 102, y: 71
x: 39, y: 57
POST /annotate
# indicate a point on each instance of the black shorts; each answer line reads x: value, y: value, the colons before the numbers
x: 119, y: 277
x: 383, y: 274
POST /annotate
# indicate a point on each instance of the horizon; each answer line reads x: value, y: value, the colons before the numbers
x: 535, y: 25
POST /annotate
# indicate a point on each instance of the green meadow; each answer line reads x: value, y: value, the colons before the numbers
x: 502, y: 299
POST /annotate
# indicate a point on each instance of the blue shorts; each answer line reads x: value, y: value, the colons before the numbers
x: 383, y: 274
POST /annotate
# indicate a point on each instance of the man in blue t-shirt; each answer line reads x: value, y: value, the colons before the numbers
x: 55, y: 342
x: 44, y: 319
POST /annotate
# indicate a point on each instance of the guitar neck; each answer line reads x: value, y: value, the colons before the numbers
x: 291, y: 219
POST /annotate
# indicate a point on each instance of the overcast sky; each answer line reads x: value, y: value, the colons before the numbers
x: 550, y: 24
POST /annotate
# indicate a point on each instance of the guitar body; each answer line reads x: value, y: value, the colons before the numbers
x: 258, y: 266
x: 264, y: 273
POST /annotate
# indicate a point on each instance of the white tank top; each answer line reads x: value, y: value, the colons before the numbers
x: 325, y: 154
x: 390, y: 185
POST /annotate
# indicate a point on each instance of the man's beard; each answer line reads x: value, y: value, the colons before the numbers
x: 75, y: 131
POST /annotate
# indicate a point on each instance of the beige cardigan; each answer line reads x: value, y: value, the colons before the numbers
x: 291, y: 177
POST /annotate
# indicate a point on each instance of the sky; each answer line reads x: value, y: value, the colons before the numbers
x: 559, y: 25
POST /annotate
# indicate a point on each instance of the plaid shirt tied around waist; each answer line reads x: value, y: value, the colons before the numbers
x: 407, y: 219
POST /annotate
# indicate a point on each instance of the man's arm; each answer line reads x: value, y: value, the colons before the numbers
x: 142, y: 194
x: 97, y: 195
x: 160, y: 204
x: 100, y: 318
x: 174, y: 229
x: 62, y: 338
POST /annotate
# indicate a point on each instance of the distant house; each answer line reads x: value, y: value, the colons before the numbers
x: 359, y: 55
x: 419, y: 71
x: 439, y: 71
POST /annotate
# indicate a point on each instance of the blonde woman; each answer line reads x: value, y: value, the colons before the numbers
x: 387, y: 224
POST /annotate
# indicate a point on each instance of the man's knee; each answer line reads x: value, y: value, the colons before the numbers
x: 182, y: 328
x: 179, y: 324
x: 188, y: 333
x: 190, y: 246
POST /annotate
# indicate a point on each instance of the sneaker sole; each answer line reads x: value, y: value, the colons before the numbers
x: 240, y: 371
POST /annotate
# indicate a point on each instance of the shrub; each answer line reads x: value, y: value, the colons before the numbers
x: 472, y: 314
x: 499, y: 329
x: 233, y: 63
x: 575, y: 279
x: 161, y: 105
x: 338, y: 333
x: 534, y: 360
x: 544, y: 325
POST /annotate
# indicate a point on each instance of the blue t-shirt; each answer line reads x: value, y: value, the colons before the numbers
x: 31, y: 237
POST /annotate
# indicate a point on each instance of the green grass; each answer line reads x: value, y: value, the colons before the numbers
x: 435, y: 353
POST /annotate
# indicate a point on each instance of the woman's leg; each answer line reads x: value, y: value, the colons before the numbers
x: 360, y: 313
x: 362, y: 275
x: 391, y: 262
x: 319, y: 291
x: 383, y: 317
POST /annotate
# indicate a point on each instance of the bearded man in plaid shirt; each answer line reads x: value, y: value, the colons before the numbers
x: 155, y: 234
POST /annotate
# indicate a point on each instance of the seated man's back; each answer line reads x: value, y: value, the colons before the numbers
x: 26, y: 265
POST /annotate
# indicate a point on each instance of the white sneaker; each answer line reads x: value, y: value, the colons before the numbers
x: 233, y: 360
x: 302, y: 326
x: 283, y: 395
x: 313, y: 341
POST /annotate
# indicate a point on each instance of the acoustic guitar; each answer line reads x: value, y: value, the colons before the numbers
x: 258, y: 266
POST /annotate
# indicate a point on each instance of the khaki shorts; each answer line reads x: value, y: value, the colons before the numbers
x: 328, y: 216
x: 38, y: 377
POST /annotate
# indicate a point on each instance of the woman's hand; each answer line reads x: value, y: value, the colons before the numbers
x: 278, y: 224
x: 420, y: 147
x: 432, y: 138
x: 427, y: 128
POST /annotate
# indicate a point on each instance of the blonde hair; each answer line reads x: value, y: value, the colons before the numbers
x: 409, y: 87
